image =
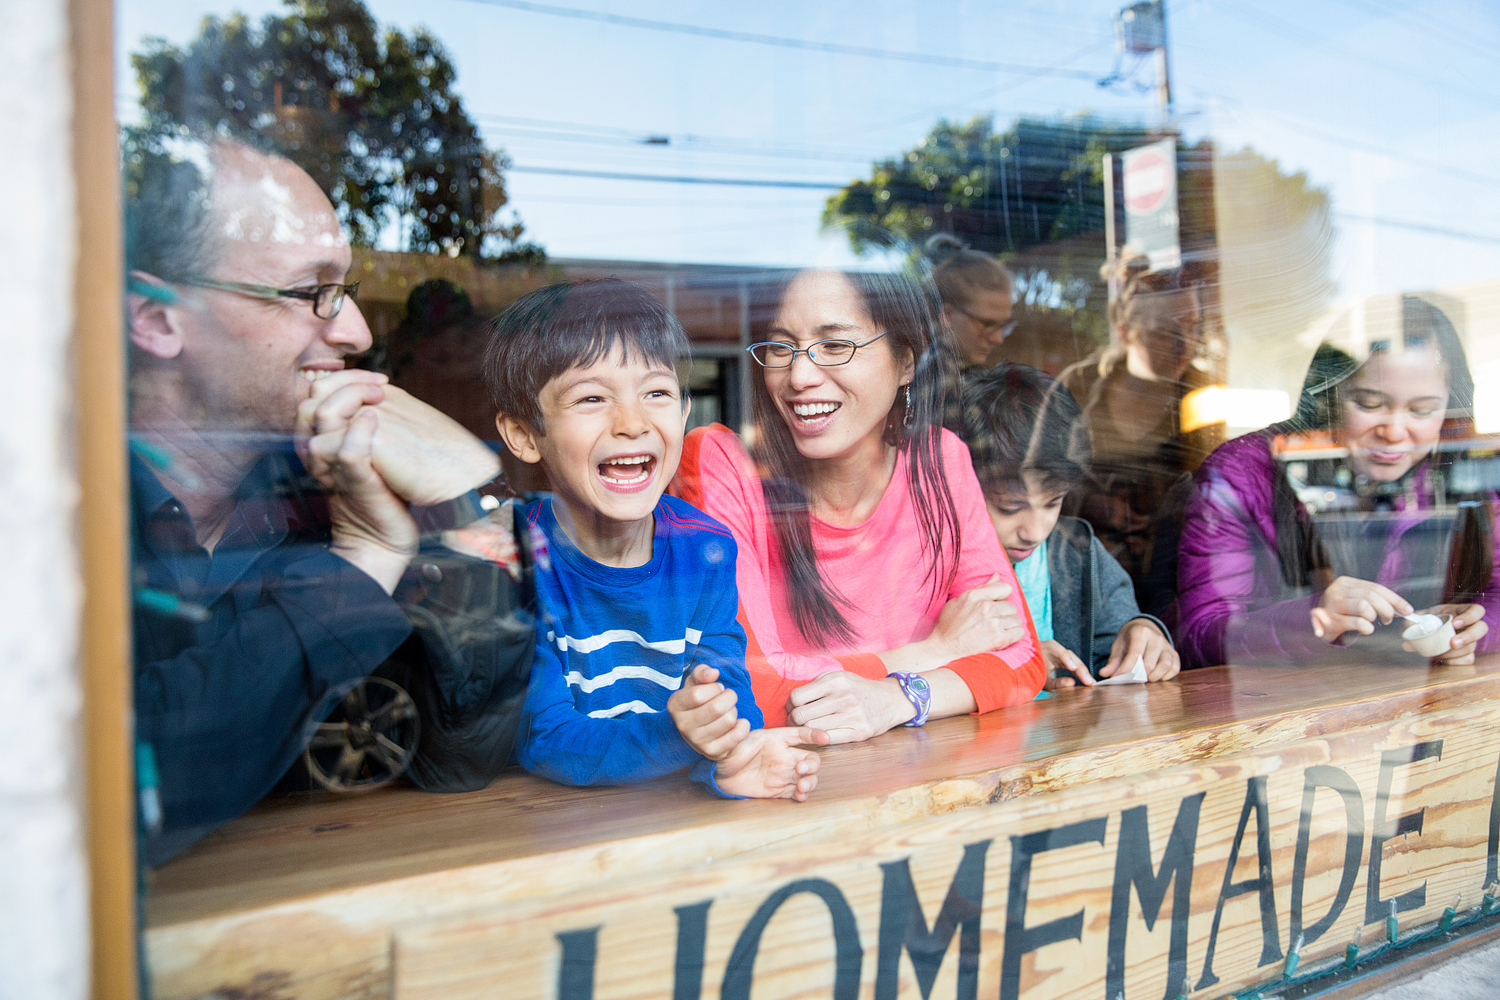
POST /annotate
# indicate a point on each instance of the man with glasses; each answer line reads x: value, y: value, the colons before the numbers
x: 260, y: 599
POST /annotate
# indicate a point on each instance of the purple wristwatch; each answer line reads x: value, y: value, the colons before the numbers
x: 918, y: 692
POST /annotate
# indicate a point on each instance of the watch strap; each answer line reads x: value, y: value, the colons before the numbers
x: 459, y: 512
x: 918, y: 692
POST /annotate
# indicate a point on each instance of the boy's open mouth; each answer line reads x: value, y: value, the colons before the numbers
x: 627, y: 472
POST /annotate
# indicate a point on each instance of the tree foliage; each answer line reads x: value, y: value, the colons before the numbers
x: 372, y: 116
x: 1039, y: 181
x: 1033, y: 194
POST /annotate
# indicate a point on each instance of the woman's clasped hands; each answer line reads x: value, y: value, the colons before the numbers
x: 977, y: 621
x: 852, y: 708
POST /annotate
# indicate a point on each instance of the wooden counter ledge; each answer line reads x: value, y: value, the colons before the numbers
x: 371, y: 863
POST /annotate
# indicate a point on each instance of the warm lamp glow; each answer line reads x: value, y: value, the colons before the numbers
x: 1242, y: 409
x: 1487, y: 398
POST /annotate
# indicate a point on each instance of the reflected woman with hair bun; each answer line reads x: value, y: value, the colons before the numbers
x: 1265, y: 579
x: 872, y: 588
x: 1131, y: 393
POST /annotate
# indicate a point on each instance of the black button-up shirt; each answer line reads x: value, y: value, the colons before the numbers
x: 239, y: 653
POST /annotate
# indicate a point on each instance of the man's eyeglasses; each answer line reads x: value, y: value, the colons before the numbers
x: 326, y: 300
x: 989, y: 327
x: 827, y: 353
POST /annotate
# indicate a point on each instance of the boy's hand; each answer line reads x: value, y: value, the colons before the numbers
x: 335, y: 435
x: 1140, y: 637
x: 704, y: 712
x: 1064, y: 669
x: 772, y: 764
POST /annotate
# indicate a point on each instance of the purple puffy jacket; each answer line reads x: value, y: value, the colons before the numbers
x: 1234, y: 605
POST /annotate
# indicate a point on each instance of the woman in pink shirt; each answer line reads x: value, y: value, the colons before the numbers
x: 873, y: 590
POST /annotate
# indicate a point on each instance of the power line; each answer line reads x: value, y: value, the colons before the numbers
x: 1276, y: 25
x: 832, y: 48
x: 668, y: 179
x: 1338, y: 139
x: 1418, y: 227
x: 691, y: 143
x: 1428, y: 23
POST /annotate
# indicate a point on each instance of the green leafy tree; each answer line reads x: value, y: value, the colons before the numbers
x: 1037, y: 182
x: 1033, y: 194
x: 372, y: 116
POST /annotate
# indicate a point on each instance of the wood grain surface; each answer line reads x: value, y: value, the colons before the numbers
x: 304, y: 897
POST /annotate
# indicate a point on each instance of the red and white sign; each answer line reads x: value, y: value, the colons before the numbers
x: 1151, y: 202
x: 1148, y: 180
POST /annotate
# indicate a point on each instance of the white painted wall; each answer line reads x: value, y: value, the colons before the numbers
x: 44, y: 943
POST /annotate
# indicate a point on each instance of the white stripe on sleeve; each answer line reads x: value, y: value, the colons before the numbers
x: 592, y: 643
x: 639, y: 707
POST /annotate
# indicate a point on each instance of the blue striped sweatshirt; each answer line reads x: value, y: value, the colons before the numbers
x: 613, y: 644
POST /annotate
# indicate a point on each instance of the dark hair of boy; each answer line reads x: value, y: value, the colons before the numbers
x: 572, y: 324
x: 1017, y: 420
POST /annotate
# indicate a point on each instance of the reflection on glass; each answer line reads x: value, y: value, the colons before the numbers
x: 844, y: 376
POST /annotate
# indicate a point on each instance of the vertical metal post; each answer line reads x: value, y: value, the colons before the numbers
x: 742, y: 362
x: 1163, y: 76
x: 1109, y: 206
x: 1109, y: 222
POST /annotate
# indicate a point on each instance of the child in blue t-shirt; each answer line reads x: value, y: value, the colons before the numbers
x: 640, y: 661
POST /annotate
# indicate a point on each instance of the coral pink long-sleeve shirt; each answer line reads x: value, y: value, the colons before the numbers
x: 878, y: 567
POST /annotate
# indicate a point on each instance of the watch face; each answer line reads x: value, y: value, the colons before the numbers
x: 919, y: 693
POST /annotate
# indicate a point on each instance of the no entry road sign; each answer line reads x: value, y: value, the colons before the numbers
x: 1150, y: 181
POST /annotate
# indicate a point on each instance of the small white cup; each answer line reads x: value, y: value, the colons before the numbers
x: 1434, y: 643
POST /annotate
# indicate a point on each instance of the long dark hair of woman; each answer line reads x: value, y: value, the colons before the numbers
x: 909, y: 314
x: 1300, y: 551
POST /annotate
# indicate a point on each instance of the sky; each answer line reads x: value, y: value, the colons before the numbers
x: 1389, y: 105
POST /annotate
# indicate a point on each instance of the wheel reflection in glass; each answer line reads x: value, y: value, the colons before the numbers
x: 368, y: 741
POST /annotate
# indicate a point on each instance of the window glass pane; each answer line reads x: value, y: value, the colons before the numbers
x: 1151, y: 338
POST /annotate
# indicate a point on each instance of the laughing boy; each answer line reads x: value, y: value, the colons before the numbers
x: 637, y: 588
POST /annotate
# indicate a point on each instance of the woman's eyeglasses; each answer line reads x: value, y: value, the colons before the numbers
x: 326, y: 300
x: 827, y: 353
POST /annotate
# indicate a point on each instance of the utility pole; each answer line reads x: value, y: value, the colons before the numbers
x: 1141, y: 29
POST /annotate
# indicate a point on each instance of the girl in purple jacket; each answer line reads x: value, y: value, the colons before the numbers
x: 1274, y: 569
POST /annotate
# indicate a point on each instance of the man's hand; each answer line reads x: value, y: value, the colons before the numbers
x: 423, y: 455
x: 772, y: 764
x: 1064, y: 669
x: 426, y: 456
x: 1467, y: 623
x: 850, y: 708
x: 371, y: 526
x: 705, y: 714
x: 1140, y: 637
x: 1350, y: 605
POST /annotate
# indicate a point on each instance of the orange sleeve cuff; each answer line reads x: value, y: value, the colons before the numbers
x: 865, y: 665
x: 994, y: 684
